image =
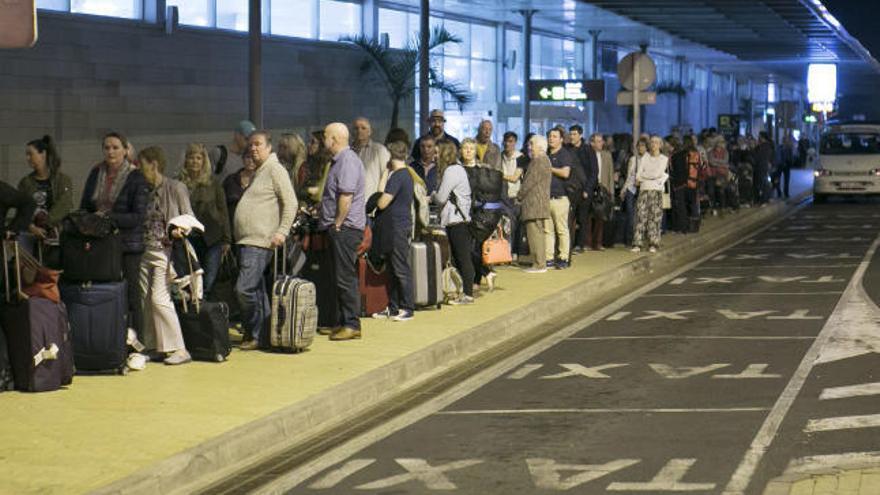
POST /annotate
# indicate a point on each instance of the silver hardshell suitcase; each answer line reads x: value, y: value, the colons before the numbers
x: 427, y: 266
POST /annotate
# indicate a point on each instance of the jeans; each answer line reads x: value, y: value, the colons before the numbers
x: 251, y: 290
x: 210, y: 258
x: 461, y: 244
x: 344, y: 245
x: 400, y: 283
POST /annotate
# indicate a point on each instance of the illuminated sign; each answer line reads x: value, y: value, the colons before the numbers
x: 824, y: 106
x: 822, y: 83
x: 567, y: 90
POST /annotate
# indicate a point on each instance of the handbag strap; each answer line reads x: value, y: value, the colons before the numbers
x: 192, y: 288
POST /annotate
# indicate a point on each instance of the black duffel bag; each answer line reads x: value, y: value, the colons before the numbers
x: 601, y: 204
x: 91, y: 248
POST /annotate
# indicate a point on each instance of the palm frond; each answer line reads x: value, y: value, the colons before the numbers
x: 379, y: 56
x: 457, y: 92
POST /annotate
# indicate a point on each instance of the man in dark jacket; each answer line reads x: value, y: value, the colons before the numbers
x: 586, y: 173
x: 678, y: 180
x: 764, y: 154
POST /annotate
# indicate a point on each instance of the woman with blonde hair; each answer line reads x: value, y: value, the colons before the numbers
x: 292, y: 154
x: 208, y: 201
x: 453, y: 195
x: 487, y: 188
x: 651, y: 177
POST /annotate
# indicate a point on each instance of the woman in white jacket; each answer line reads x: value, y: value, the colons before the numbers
x: 650, y: 179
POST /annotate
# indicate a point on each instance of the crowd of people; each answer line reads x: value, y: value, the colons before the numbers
x: 550, y: 195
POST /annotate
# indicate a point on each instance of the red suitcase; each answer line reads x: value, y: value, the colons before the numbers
x: 372, y: 284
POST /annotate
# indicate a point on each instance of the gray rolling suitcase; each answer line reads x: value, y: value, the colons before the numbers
x: 294, y: 319
x: 427, y: 267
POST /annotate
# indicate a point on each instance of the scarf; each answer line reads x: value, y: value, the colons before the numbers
x: 101, y: 197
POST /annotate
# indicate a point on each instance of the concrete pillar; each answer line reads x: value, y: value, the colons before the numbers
x: 526, y: 67
x: 370, y: 19
x: 255, y: 62
x: 595, y: 73
x: 424, y: 62
x: 708, y: 113
x: 680, y: 99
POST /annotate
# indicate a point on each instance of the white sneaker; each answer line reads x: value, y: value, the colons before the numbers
x: 462, y: 300
x: 383, y: 315
x: 179, y: 356
x: 536, y: 270
x: 136, y: 361
x: 635, y: 249
x: 652, y: 249
x: 402, y: 316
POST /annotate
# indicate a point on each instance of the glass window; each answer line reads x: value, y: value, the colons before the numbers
x: 456, y: 70
x: 462, y: 31
x: 394, y: 22
x: 130, y: 9
x: 192, y: 12
x: 339, y: 19
x: 513, y: 77
x: 551, y: 51
x: 483, y: 42
x: 483, y: 81
x: 53, y: 4
x: 232, y: 14
x: 536, y: 50
x: 293, y: 18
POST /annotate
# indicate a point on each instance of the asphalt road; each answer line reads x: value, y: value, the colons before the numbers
x: 752, y: 364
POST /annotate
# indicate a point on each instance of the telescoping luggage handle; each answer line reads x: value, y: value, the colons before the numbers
x: 283, y: 260
x: 189, y: 262
x: 21, y: 295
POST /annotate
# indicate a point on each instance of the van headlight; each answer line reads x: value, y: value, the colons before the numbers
x: 876, y: 172
x: 821, y: 172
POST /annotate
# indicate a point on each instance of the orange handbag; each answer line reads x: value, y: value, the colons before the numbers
x: 496, y: 249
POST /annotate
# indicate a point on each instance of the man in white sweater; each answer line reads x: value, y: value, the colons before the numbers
x: 262, y: 222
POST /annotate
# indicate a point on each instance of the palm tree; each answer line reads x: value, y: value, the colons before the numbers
x: 399, y: 68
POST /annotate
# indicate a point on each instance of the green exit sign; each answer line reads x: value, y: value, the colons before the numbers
x: 567, y: 90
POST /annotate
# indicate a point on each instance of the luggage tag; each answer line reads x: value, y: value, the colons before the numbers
x: 18, y: 23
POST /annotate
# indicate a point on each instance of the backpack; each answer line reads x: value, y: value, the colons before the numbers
x: 574, y: 185
x: 452, y: 284
x: 487, y: 184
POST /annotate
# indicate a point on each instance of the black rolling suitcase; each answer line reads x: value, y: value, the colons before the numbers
x: 205, y: 327
x: 37, y: 336
x: 6, y: 381
x: 98, y: 326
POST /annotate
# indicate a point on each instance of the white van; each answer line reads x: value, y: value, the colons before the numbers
x: 849, y: 161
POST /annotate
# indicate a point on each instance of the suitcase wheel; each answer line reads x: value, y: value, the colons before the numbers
x: 123, y: 371
x: 439, y: 305
x: 219, y: 358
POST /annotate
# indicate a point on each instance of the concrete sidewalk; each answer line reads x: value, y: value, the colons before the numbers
x: 156, y: 430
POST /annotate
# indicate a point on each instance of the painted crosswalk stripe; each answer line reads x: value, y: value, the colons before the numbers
x: 669, y: 410
x: 843, y: 423
x: 861, y: 390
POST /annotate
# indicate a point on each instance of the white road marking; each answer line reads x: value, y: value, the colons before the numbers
x: 669, y: 315
x: 433, y: 477
x: 696, y: 337
x: 822, y: 463
x: 575, y: 369
x: 743, y: 315
x: 525, y: 371
x: 747, y: 267
x: 618, y: 316
x: 741, y: 478
x: 825, y: 279
x: 547, y: 473
x: 779, y: 280
x: 679, y: 372
x: 752, y: 371
x: 716, y: 280
x: 669, y: 479
x: 637, y: 410
x: 860, y: 390
x: 702, y: 294
x: 678, y: 281
x: 800, y: 314
x: 336, y: 476
x: 843, y: 423
x: 801, y: 256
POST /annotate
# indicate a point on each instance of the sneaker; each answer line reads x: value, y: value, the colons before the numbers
x: 136, y: 361
x: 551, y: 263
x: 490, y: 281
x: 402, y: 316
x: 578, y: 249
x: 635, y: 249
x: 535, y: 269
x: 562, y: 264
x: 384, y: 314
x: 652, y: 249
x: 462, y: 301
x: 179, y: 356
x: 132, y: 341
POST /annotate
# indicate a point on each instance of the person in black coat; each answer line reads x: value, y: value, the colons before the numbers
x: 119, y: 190
x: 24, y: 206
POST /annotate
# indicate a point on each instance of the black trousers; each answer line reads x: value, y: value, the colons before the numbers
x: 581, y: 216
x: 462, y: 246
x: 344, y: 246
x: 131, y: 271
x: 680, y: 217
x: 400, y: 283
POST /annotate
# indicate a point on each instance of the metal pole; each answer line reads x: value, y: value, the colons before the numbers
x: 594, y: 117
x: 636, y: 107
x: 424, y: 63
x: 255, y: 63
x: 527, y: 68
x: 680, y: 98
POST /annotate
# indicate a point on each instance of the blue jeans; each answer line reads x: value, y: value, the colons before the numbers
x: 212, y: 265
x: 251, y: 290
x: 400, y: 284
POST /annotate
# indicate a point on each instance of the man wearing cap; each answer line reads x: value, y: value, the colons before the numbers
x: 226, y: 159
x: 374, y: 155
x: 437, y: 123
